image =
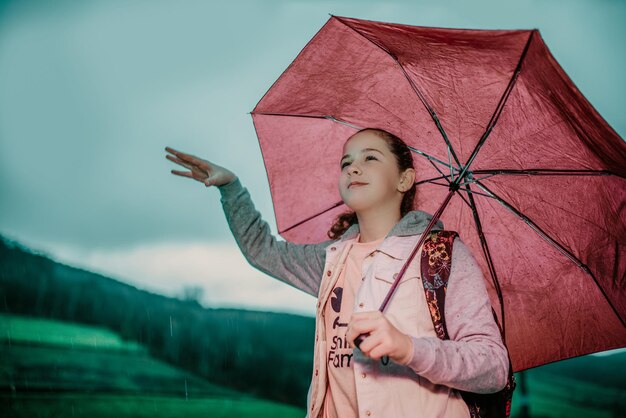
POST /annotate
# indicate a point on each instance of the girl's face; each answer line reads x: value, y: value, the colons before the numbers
x: 369, y: 173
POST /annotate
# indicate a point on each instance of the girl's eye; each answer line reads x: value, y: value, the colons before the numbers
x: 343, y: 165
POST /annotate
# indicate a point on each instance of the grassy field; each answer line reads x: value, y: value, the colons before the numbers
x: 122, y: 406
x: 19, y: 329
x: 55, y: 369
x: 556, y: 396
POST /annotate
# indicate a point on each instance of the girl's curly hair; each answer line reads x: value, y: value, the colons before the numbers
x: 404, y: 160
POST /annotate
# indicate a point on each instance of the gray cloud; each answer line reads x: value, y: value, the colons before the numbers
x: 92, y: 92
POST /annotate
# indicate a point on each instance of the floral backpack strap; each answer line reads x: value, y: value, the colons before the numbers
x: 436, y: 263
x: 435, y: 267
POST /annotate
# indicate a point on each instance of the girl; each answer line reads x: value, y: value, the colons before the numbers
x: 401, y: 368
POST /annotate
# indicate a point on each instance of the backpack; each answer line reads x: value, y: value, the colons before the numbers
x: 435, y: 268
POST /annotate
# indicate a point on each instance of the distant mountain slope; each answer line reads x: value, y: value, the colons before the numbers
x: 265, y: 354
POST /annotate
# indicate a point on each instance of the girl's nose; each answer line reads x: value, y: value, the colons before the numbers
x: 354, y: 169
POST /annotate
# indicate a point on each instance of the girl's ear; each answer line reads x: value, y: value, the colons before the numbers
x: 406, y: 180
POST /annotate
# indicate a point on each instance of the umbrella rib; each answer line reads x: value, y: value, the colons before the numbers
x: 288, y: 115
x: 463, y: 197
x: 475, y: 192
x: 343, y: 122
x: 534, y: 226
x: 500, y: 106
x: 329, y: 117
x: 487, y: 254
x: 439, y: 184
x: 443, y: 176
x: 311, y: 217
x: 549, y: 172
x: 430, y: 180
x: 554, y: 243
x: 430, y: 110
x: 432, y: 113
x: 431, y: 158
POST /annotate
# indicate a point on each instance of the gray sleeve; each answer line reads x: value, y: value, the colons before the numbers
x: 300, y: 265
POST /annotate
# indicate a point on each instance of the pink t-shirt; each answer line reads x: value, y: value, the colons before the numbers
x: 340, y: 398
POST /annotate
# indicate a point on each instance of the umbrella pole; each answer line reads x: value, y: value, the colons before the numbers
x: 453, y: 188
x: 425, y: 233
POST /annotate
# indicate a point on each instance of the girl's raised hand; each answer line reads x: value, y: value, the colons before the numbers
x: 384, y: 339
x: 202, y: 170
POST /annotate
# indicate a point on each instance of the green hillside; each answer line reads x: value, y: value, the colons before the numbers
x: 18, y: 329
x: 222, y: 346
x: 51, y: 368
x: 552, y: 394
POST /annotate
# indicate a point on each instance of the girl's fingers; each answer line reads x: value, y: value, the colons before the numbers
x: 201, y: 169
x: 362, y: 316
x: 357, y: 328
x: 196, y: 172
x: 373, y: 346
x: 378, y: 351
x: 205, y: 180
x: 179, y: 161
x: 204, y: 171
x: 384, y: 338
x: 379, y: 344
x: 361, y: 326
x: 182, y: 173
x: 175, y: 152
x: 185, y: 157
x: 367, y: 344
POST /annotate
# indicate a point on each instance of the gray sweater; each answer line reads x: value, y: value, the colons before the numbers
x: 474, y: 359
x: 295, y: 264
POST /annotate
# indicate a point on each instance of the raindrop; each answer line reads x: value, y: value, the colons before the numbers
x: 171, y: 329
x: 186, y: 392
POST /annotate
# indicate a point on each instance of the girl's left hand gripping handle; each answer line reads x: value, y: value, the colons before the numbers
x: 358, y: 340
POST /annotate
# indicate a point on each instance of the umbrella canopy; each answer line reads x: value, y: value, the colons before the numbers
x: 542, y: 193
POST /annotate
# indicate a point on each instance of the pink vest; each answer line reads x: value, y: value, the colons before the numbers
x: 383, y: 390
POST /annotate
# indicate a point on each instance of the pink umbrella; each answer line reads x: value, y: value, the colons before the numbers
x: 541, y: 176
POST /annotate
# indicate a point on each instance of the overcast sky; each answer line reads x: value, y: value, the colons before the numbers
x: 91, y: 92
